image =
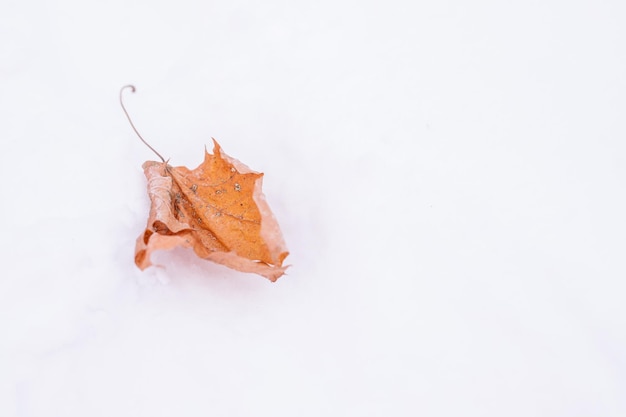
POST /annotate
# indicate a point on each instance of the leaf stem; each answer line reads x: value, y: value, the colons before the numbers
x: 132, y: 89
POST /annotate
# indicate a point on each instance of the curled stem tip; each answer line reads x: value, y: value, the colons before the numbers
x: 133, y: 89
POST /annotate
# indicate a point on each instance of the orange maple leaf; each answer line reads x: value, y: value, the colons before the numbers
x: 217, y: 209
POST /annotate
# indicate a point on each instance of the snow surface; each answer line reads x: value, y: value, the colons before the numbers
x: 449, y: 177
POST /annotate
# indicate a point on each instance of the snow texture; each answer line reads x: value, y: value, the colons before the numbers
x: 449, y: 177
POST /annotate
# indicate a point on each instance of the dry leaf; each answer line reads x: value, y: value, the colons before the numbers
x: 218, y: 209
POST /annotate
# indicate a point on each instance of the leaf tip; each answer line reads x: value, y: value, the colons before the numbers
x: 216, y: 147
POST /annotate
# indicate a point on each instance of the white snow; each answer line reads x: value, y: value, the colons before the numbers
x: 449, y: 177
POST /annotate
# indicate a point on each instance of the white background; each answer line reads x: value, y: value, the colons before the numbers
x: 449, y: 177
